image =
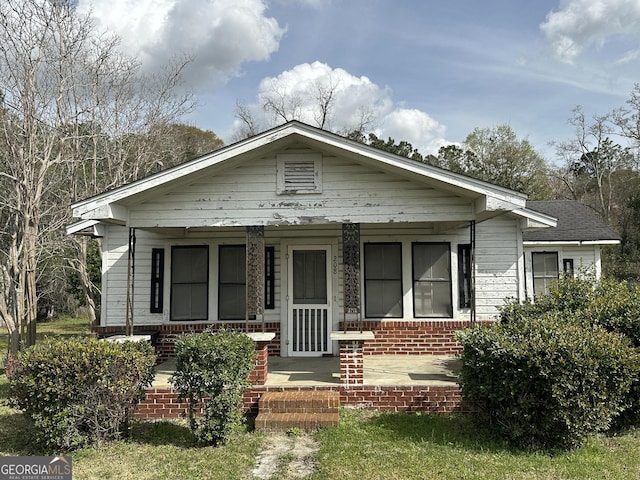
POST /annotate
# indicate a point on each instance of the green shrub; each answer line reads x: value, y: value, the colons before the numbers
x: 613, y: 305
x: 546, y: 383
x: 79, y: 391
x: 212, y: 371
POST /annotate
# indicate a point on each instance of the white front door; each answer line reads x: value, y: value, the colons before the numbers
x: 309, y: 294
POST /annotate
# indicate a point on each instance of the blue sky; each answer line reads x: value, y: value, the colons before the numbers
x: 429, y: 71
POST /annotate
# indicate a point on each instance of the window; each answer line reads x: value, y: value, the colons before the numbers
x: 432, y: 280
x: 232, y: 288
x: 299, y: 173
x: 383, y: 280
x: 567, y: 266
x: 189, y: 282
x: 232, y: 282
x: 157, y: 279
x: 545, y: 271
x: 464, y: 275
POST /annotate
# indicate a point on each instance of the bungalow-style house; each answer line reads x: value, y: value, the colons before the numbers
x: 314, y: 242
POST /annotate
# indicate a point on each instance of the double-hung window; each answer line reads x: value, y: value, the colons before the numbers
x: 545, y: 271
x: 232, y: 281
x: 432, y: 280
x: 189, y: 282
x: 383, y: 280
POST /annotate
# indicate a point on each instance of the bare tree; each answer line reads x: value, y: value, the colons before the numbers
x: 594, y: 165
x: 78, y: 118
x: 314, y: 103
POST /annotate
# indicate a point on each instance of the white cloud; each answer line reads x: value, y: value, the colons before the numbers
x: 416, y: 127
x: 304, y: 3
x: 581, y: 23
x: 220, y: 34
x: 296, y: 91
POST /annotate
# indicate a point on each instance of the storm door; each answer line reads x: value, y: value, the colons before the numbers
x: 309, y: 294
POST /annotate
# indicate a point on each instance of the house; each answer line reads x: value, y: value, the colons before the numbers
x: 572, y: 247
x: 308, y: 239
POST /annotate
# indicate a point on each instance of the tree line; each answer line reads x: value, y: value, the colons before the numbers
x: 79, y: 117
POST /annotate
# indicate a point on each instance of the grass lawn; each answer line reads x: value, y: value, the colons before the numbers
x: 366, y: 446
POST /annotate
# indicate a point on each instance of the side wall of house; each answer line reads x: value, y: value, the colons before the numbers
x: 586, y: 260
x: 499, y: 265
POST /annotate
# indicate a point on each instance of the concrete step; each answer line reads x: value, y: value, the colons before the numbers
x: 306, y: 410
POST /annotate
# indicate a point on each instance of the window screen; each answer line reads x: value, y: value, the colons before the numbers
x: 383, y: 280
x: 432, y: 280
x: 189, y: 282
x: 232, y: 291
x: 545, y: 271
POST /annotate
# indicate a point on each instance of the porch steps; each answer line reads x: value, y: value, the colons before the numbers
x: 306, y: 410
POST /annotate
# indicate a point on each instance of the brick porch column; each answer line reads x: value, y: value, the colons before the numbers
x: 260, y: 371
x: 352, y: 355
x: 351, y: 362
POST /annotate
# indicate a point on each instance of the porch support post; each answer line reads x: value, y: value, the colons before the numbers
x: 255, y: 274
x: 351, y: 267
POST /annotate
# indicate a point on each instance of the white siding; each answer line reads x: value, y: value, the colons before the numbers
x: 247, y: 195
x: 495, y: 262
x: 497, y: 265
x: 586, y: 259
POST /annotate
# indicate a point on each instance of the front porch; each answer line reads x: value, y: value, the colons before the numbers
x: 379, y: 370
x: 394, y: 383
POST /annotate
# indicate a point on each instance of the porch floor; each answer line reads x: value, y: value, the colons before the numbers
x: 378, y: 370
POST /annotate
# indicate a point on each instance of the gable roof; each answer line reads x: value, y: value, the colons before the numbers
x: 112, y: 205
x: 576, y: 223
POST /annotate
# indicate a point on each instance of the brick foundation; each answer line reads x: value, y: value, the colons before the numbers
x: 437, y: 399
x: 412, y: 337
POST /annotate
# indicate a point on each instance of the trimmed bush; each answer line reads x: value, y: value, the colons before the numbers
x: 79, y: 392
x: 212, y: 371
x: 547, y: 383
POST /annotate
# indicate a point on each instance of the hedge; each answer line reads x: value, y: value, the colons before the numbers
x: 80, y: 391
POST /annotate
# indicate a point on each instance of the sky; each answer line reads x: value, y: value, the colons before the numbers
x: 428, y: 71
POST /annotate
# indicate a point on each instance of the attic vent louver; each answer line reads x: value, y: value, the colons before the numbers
x: 299, y: 173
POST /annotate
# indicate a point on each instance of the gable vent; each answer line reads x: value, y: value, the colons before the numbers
x: 299, y: 176
x: 299, y: 173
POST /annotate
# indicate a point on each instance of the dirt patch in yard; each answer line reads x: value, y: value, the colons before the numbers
x: 288, y: 456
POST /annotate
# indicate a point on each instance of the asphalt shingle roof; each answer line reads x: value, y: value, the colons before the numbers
x: 575, y: 223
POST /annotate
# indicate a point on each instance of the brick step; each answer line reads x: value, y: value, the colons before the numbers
x: 300, y: 402
x: 308, y: 422
x: 306, y: 410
